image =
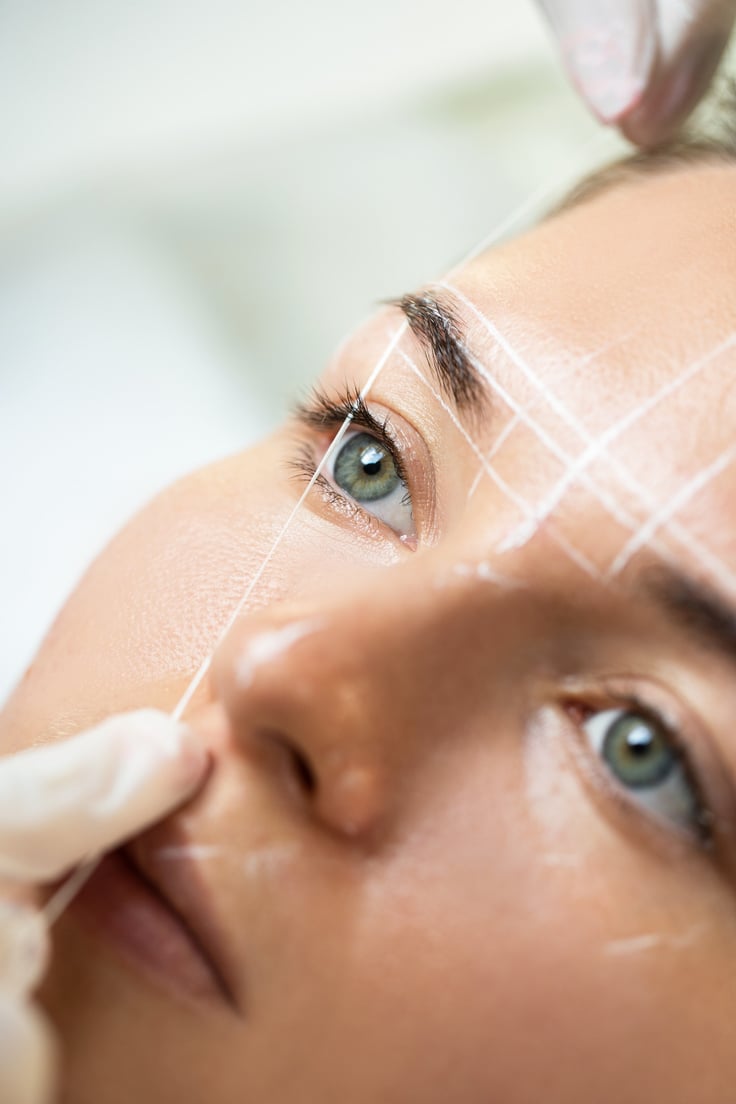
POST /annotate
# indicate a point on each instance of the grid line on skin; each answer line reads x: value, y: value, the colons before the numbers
x: 686, y: 492
x: 619, y: 513
x: 574, y: 554
x: 517, y: 419
x: 598, y: 448
x: 495, y: 448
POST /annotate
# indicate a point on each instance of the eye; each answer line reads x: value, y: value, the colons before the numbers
x: 365, y: 470
x: 644, y: 759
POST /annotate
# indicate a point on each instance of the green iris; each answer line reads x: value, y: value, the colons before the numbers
x: 638, y: 752
x: 364, y: 468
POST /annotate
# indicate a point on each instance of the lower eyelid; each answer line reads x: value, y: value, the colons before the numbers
x: 304, y: 466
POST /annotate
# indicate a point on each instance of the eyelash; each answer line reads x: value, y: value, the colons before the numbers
x: 323, y: 413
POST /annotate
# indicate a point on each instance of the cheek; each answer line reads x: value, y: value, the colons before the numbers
x: 488, y: 954
x: 157, y: 599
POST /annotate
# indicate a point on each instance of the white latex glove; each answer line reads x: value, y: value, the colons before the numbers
x: 61, y: 804
x: 641, y: 64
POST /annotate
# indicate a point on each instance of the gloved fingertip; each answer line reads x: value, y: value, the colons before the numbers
x: 171, y: 748
x: 181, y: 745
x: 674, y: 95
x: 27, y: 1055
x: 24, y: 948
x: 609, y: 50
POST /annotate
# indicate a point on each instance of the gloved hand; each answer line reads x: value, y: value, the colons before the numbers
x: 642, y: 64
x: 61, y: 804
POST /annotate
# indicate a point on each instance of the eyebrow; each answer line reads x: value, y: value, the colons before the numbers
x: 701, y: 611
x: 440, y: 333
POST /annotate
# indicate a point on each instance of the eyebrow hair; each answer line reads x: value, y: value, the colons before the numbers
x: 694, y: 606
x: 439, y: 331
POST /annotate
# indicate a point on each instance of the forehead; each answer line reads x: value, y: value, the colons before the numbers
x: 607, y: 340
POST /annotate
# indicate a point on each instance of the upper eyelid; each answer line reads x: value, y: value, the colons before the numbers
x: 322, y: 413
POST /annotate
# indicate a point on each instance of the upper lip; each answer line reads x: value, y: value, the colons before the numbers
x: 181, y: 888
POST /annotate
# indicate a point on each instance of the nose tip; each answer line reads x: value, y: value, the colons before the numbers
x: 296, y: 708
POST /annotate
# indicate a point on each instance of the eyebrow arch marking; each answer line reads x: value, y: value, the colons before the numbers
x: 694, y: 606
x: 440, y: 333
x: 487, y: 468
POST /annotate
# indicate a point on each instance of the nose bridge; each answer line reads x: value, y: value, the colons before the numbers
x: 354, y: 683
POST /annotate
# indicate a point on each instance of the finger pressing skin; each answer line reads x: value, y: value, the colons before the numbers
x: 24, y: 948
x: 67, y: 801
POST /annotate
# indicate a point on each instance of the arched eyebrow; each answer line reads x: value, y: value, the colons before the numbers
x: 705, y: 614
x: 441, y: 334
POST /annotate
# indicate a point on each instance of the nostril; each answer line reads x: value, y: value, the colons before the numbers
x: 304, y: 772
x: 294, y: 763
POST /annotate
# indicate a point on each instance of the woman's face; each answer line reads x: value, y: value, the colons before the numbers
x: 469, y: 834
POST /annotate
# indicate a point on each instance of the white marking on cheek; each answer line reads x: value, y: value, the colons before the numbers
x: 519, y: 536
x: 561, y: 858
x: 635, y: 944
x: 652, y: 941
x: 483, y: 571
x: 199, y: 851
x: 267, y: 646
x: 271, y: 859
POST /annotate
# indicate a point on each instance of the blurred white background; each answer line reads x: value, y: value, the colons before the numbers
x: 198, y: 199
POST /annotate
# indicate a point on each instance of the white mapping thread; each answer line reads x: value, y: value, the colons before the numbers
x: 207, y: 662
x: 66, y: 892
x: 539, y: 198
x: 59, y: 901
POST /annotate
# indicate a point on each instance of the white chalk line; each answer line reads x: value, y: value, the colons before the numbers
x: 688, y: 491
x: 516, y: 420
x: 622, y: 516
x: 599, y: 447
x: 521, y: 504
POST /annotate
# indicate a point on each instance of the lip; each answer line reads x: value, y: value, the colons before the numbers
x: 158, y: 924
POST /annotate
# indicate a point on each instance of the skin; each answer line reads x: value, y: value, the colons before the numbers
x: 468, y: 906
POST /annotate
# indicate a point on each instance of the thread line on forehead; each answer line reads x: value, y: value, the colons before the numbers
x: 486, y: 468
x: 599, y: 448
x: 607, y: 500
x: 516, y: 420
x: 687, y: 492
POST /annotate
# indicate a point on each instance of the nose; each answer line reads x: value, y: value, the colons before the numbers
x: 339, y: 699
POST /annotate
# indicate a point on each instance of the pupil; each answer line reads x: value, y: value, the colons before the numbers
x: 371, y: 460
x: 639, y: 742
